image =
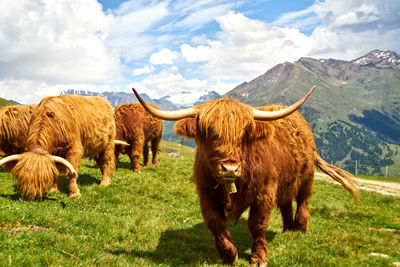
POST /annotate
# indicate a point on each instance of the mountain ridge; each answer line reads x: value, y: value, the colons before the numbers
x: 354, y: 112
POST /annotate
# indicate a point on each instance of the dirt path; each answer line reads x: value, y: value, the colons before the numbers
x: 381, y: 187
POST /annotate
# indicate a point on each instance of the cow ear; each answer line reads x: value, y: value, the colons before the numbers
x: 186, y: 127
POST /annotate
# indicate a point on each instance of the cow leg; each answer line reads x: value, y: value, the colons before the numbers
x: 146, y: 154
x: 155, y: 146
x: 304, y: 193
x: 55, y: 187
x: 257, y: 223
x: 74, y: 156
x: 117, y: 155
x: 302, y: 214
x: 287, y: 216
x: 214, y: 218
x: 136, y: 151
x: 106, y: 162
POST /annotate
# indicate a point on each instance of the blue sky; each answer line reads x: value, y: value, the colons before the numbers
x: 177, y: 48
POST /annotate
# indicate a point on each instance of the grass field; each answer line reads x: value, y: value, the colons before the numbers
x: 153, y: 219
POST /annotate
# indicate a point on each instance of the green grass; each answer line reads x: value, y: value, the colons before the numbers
x: 4, y: 102
x: 153, y: 219
x: 379, y: 178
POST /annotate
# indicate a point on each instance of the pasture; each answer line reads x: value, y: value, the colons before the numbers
x: 153, y: 219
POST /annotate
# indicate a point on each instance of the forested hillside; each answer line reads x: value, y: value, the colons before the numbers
x: 354, y: 113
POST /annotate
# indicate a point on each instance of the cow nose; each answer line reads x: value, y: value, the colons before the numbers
x: 230, y: 169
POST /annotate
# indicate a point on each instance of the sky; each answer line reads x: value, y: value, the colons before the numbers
x: 177, y: 48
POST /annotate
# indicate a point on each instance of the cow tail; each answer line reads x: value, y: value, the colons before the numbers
x: 341, y: 176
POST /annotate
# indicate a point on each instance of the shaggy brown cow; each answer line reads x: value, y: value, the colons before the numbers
x: 251, y: 157
x: 137, y: 127
x: 62, y: 131
x: 14, y: 128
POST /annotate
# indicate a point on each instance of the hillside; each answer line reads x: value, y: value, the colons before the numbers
x: 354, y: 113
x: 154, y: 219
x: 5, y: 102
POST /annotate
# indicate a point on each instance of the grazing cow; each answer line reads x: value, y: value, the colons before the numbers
x: 64, y: 129
x: 14, y: 128
x: 251, y: 157
x: 137, y: 127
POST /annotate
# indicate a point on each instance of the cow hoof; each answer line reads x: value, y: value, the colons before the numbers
x: 75, y: 195
x: 54, y: 190
x: 259, y: 264
x: 137, y: 171
x: 105, y: 183
x: 235, y: 261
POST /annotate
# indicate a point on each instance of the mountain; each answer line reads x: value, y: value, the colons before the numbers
x: 209, y: 96
x: 118, y: 98
x: 354, y: 112
x: 5, y: 102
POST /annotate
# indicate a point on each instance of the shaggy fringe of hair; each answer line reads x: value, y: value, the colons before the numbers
x: 43, y: 125
x: 343, y: 177
x: 228, y: 119
x: 35, y: 173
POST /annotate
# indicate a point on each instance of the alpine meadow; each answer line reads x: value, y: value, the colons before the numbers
x: 153, y: 219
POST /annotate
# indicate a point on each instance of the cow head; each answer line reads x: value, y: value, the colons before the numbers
x: 222, y: 128
x: 36, y: 171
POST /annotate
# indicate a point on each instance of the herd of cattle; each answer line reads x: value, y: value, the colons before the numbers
x: 245, y: 156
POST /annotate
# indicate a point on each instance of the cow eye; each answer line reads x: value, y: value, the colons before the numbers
x: 50, y: 114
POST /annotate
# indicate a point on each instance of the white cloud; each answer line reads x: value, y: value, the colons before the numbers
x: 164, y: 56
x: 184, y: 91
x: 27, y: 91
x: 195, y: 54
x: 246, y: 48
x: 200, y: 17
x: 353, y: 28
x: 145, y: 70
x: 130, y: 31
x: 56, y: 42
x: 169, y: 81
x: 299, y: 19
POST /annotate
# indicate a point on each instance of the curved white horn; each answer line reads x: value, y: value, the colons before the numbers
x: 15, y: 157
x: 263, y: 115
x: 165, y: 114
x: 65, y: 163
x: 120, y: 142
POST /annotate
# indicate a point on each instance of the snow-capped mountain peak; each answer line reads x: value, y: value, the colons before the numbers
x: 379, y: 58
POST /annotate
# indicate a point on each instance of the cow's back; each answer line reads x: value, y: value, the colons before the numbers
x: 14, y: 122
x: 68, y: 119
x: 131, y: 118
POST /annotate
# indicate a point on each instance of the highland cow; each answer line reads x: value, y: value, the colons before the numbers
x: 137, y: 127
x: 251, y: 157
x: 64, y: 129
x: 14, y: 128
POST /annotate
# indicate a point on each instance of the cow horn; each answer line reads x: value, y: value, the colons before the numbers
x: 167, y: 115
x: 121, y: 143
x: 15, y: 157
x: 65, y: 163
x: 263, y: 115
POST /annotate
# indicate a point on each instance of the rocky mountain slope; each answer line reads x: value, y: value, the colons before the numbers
x: 354, y: 112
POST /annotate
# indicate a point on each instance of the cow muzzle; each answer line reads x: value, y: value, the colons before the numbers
x: 228, y: 172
